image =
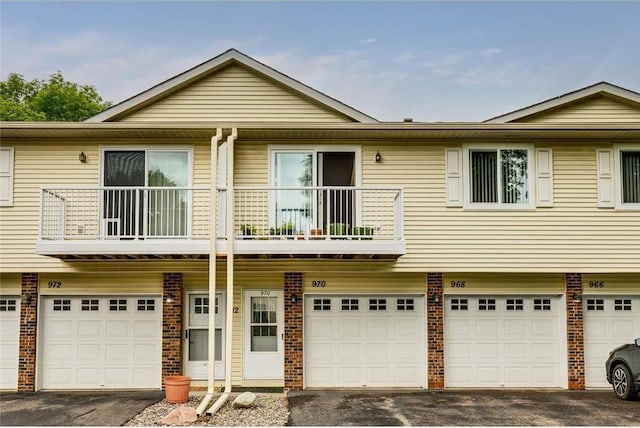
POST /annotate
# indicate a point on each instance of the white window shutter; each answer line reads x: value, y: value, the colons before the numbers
x: 544, y: 178
x: 454, y: 193
x: 606, y: 194
x: 6, y: 176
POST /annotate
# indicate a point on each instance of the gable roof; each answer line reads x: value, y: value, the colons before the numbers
x: 198, y: 72
x: 598, y: 89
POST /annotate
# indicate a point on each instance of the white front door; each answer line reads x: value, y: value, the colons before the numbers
x: 197, y: 336
x: 609, y: 321
x: 264, y: 334
x: 9, y: 340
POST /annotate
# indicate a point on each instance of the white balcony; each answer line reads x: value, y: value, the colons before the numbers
x: 173, y: 222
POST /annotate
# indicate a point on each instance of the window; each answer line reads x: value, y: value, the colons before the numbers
x: 61, y: 305
x: 8, y: 305
x: 487, y: 304
x: 117, y: 304
x: 541, y: 304
x: 595, y: 304
x: 515, y: 305
x: 349, y: 304
x: 201, y: 305
x: 146, y: 305
x: 377, y: 304
x: 89, y: 305
x: 459, y: 304
x: 405, y: 305
x: 622, y: 304
x: 630, y: 176
x: 6, y: 176
x: 321, y: 304
x: 498, y: 177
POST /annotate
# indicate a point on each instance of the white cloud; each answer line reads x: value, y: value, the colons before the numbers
x: 491, y: 52
x: 369, y: 41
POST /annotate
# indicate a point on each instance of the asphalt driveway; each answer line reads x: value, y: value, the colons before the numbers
x: 100, y: 408
x: 467, y: 408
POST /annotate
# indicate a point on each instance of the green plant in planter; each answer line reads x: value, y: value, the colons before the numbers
x: 287, y: 229
x: 363, y: 232
x: 247, y: 230
x: 338, y: 229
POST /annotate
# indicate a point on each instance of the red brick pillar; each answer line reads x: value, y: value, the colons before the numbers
x: 575, y: 333
x: 171, y: 324
x: 435, y: 331
x: 293, y: 364
x: 28, y: 324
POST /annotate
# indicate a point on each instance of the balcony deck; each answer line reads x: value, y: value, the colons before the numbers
x: 173, y: 223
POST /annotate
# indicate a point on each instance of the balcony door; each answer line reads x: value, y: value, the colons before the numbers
x: 149, y: 196
x: 304, y: 209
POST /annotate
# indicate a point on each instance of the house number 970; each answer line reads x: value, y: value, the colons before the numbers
x: 318, y: 284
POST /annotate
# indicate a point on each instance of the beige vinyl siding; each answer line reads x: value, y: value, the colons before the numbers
x: 473, y: 283
x: 347, y: 282
x: 10, y: 284
x: 100, y: 283
x: 611, y: 284
x: 235, y: 94
x: 592, y: 110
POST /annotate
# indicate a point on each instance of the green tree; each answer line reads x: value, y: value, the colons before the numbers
x: 55, y: 99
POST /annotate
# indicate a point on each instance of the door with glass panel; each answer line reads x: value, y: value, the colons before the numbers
x: 299, y: 210
x: 145, y: 194
x: 263, y: 334
x: 197, y: 336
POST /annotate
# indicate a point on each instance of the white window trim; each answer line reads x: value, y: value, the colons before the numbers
x: 617, y: 173
x: 8, y: 202
x: 531, y: 177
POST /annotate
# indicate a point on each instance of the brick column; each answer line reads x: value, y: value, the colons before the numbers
x: 435, y: 331
x: 575, y: 333
x: 28, y: 325
x: 172, y: 325
x: 293, y: 364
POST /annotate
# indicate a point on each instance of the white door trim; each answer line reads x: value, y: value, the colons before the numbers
x: 263, y: 365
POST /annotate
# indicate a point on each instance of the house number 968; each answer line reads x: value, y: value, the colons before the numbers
x: 318, y: 284
x: 458, y: 284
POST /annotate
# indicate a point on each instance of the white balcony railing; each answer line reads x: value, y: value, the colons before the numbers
x: 147, y: 213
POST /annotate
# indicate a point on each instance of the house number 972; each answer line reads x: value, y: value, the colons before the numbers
x: 318, y: 284
x: 54, y: 284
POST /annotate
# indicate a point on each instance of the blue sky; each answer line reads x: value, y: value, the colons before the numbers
x: 432, y: 61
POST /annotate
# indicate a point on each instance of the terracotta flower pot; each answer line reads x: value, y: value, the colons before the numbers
x: 177, y: 388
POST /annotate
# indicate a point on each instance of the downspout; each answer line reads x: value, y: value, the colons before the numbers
x: 230, y: 265
x: 213, y: 238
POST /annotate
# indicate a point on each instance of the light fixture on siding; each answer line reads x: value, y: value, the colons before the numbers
x: 378, y: 157
x: 170, y: 298
x: 82, y: 157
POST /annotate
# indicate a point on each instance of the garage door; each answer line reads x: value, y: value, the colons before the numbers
x: 504, y: 341
x: 102, y: 342
x: 609, y: 321
x: 364, y: 341
x: 9, y: 341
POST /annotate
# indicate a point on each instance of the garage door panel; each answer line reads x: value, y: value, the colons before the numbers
x: 371, y: 343
x: 320, y: 328
x: 9, y: 341
x: 101, y: 342
x: 496, y: 341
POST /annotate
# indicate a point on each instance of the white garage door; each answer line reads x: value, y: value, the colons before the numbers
x: 364, y: 341
x: 9, y: 341
x: 102, y: 342
x: 504, y: 341
x: 609, y: 321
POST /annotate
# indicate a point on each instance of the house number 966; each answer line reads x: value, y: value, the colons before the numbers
x: 318, y: 284
x: 596, y: 284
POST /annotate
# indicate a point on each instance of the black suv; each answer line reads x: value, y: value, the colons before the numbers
x: 623, y: 370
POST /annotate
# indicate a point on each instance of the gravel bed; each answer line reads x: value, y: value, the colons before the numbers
x: 268, y: 410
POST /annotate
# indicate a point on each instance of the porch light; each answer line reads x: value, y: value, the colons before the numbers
x: 294, y: 298
x: 82, y: 157
x: 435, y: 299
x: 378, y: 157
x: 577, y: 297
x: 27, y: 299
x: 170, y: 298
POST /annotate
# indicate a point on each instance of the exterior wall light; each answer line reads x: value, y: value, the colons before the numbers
x: 294, y: 298
x: 435, y: 299
x: 27, y: 299
x: 170, y: 298
x: 378, y: 157
x: 82, y: 157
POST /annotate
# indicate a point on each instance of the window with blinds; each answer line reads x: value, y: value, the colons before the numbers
x: 630, y: 176
x: 499, y: 176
